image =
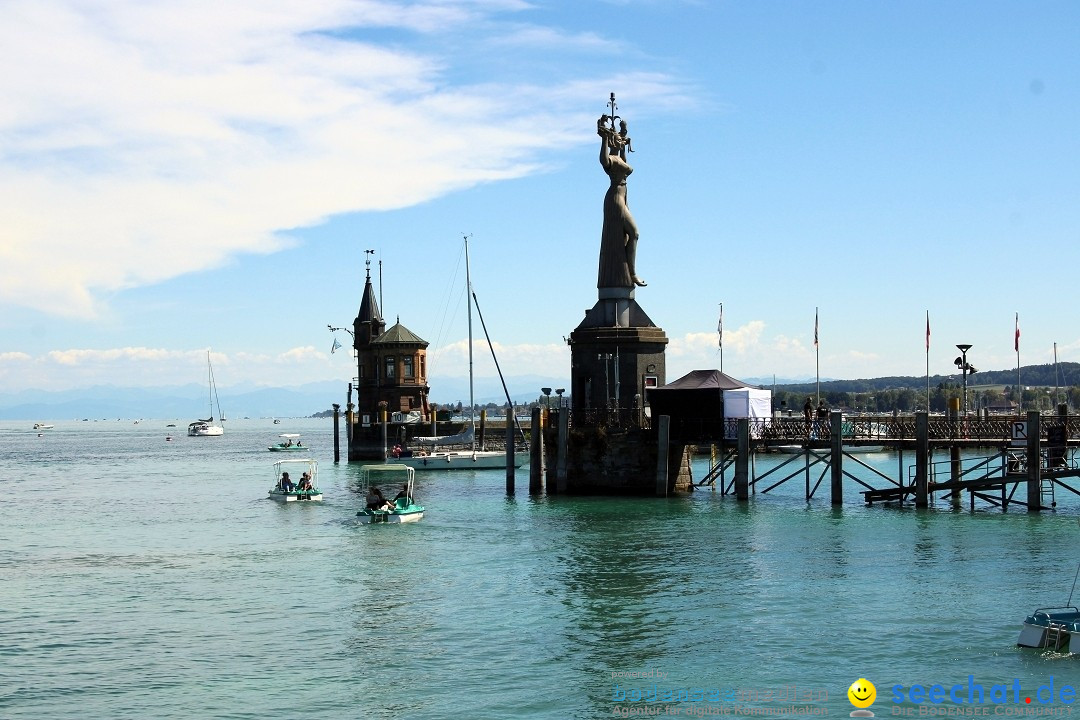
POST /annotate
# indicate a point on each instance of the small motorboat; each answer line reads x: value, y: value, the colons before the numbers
x: 288, y: 489
x: 402, y: 509
x: 43, y: 426
x: 290, y: 443
x: 1051, y: 628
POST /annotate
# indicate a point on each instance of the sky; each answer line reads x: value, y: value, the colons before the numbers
x: 185, y: 176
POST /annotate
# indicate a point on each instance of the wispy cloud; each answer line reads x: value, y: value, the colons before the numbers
x: 147, y: 140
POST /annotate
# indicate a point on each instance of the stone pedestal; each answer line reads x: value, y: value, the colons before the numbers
x: 616, y: 355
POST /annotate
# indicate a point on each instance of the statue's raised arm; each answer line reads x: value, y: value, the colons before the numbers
x: 618, y: 240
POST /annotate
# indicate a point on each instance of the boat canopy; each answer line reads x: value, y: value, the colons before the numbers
x: 462, y: 438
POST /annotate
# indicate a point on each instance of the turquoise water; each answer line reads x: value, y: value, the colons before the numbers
x: 149, y: 578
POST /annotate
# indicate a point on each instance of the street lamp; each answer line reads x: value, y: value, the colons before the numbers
x: 559, y: 392
x: 607, y: 358
x: 547, y: 396
x: 962, y: 363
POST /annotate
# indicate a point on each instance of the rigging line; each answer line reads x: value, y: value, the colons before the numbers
x: 509, y: 402
x: 450, y: 310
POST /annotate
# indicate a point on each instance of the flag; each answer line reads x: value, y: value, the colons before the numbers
x: 1016, y: 341
x: 815, y: 327
x: 335, y: 346
x: 720, y: 327
x: 927, y: 331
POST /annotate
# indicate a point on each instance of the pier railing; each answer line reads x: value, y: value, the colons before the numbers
x: 856, y: 428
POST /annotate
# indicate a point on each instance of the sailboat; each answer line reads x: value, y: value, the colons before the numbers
x: 471, y: 458
x: 207, y: 428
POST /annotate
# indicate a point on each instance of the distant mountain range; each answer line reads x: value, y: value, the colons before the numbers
x: 188, y: 402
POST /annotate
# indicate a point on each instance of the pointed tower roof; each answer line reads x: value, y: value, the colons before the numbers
x: 369, y: 306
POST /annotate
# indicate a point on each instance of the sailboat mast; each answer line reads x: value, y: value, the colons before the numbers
x: 209, y: 386
x: 468, y: 290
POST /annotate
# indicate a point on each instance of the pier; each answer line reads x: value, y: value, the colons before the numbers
x: 1028, y: 460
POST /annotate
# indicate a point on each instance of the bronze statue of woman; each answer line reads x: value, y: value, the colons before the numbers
x: 618, y: 241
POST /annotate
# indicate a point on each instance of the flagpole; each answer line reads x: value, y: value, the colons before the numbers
x: 817, y: 357
x: 720, y: 336
x: 927, y: 362
x: 1019, y: 387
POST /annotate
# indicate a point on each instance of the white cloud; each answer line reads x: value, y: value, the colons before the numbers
x: 147, y: 140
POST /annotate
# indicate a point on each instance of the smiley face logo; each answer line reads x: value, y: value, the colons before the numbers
x: 862, y: 693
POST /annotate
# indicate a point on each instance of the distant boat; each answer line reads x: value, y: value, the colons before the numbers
x: 43, y: 426
x: 208, y: 428
x: 292, y: 443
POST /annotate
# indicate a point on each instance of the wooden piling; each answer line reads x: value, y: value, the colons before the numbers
x: 663, y: 446
x: 742, y: 460
x: 1034, y: 462
x: 561, y: 450
x: 955, y: 472
x: 536, y: 454
x: 836, y: 430
x: 510, y: 450
x: 337, y: 441
x: 922, y: 459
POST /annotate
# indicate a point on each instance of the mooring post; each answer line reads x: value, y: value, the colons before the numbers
x: 742, y: 460
x: 836, y: 429
x: 1034, y: 474
x: 510, y: 450
x: 337, y: 442
x: 663, y: 446
x: 955, y: 472
x: 536, y: 453
x: 382, y: 421
x: 560, y: 451
x: 922, y: 458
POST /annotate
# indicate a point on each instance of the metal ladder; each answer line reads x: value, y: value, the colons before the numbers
x: 1047, y: 492
x: 1056, y: 636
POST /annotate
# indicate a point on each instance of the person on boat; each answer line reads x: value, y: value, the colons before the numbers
x: 286, y: 484
x: 396, y: 452
x: 404, y: 494
x: 289, y: 444
x: 305, y: 482
x: 376, y: 501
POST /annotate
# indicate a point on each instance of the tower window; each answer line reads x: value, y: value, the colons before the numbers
x: 390, y: 368
x: 407, y: 368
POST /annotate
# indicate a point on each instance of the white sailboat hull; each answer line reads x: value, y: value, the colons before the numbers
x: 206, y: 431
x: 459, y: 460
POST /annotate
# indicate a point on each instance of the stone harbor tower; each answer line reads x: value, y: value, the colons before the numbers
x: 391, y: 402
x: 616, y: 352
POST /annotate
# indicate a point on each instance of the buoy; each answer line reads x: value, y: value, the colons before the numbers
x: 168, y: 437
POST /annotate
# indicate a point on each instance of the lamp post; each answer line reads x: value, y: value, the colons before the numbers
x: 559, y: 392
x: 966, y: 369
x: 606, y: 357
x: 547, y: 397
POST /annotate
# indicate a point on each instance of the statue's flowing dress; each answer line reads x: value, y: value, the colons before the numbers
x: 614, y: 270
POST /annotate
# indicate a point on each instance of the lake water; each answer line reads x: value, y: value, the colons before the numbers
x: 149, y: 578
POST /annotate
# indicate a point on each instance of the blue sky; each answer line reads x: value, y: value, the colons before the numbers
x: 177, y: 176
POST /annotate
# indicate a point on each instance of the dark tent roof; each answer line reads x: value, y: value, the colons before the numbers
x: 399, y: 334
x: 704, y: 380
